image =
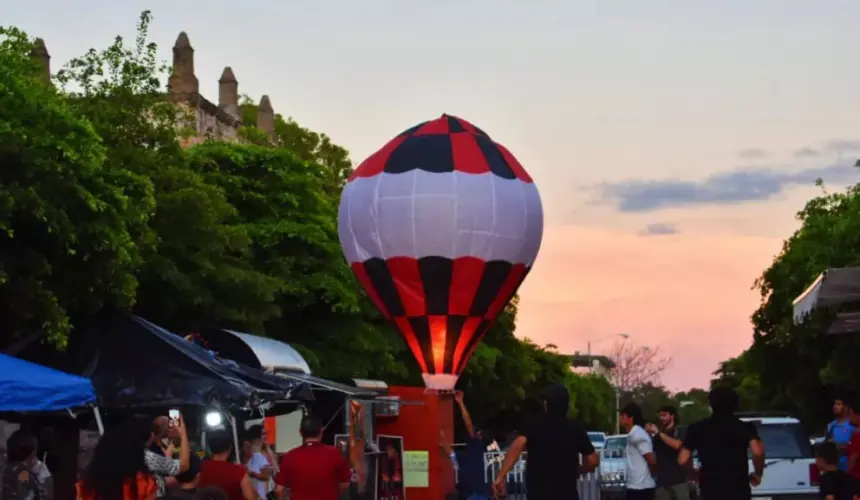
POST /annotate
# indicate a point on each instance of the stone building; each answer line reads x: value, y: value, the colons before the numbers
x: 210, y: 121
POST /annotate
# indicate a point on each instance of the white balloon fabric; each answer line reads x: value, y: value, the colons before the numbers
x: 441, y: 226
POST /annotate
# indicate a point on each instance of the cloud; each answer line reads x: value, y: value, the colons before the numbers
x: 843, y: 145
x: 804, y: 153
x: 659, y: 229
x: 738, y: 186
x: 751, y: 154
x: 834, y: 146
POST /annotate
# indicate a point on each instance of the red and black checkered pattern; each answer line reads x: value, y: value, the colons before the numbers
x: 446, y: 144
x: 442, y: 306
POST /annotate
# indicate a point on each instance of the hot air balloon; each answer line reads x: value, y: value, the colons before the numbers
x: 440, y: 227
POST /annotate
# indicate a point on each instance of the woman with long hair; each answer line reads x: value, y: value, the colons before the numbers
x: 117, y: 470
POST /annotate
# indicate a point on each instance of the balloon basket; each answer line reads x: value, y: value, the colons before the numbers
x: 439, y: 383
x: 440, y: 392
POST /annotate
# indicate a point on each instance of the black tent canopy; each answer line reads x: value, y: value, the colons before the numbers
x: 134, y: 363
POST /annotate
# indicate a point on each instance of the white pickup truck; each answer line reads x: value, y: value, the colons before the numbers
x: 790, y: 472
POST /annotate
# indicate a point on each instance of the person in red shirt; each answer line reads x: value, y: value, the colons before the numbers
x: 219, y: 472
x: 313, y: 471
x: 853, y: 448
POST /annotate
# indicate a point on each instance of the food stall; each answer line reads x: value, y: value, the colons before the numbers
x: 399, y: 429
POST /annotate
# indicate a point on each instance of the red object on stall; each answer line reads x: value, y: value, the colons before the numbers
x: 426, y: 422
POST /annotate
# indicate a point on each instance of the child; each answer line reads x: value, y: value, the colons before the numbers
x: 259, y: 468
x: 835, y: 484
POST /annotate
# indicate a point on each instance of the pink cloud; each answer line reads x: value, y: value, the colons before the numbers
x: 689, y: 294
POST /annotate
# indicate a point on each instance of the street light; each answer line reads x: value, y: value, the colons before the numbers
x: 591, y: 370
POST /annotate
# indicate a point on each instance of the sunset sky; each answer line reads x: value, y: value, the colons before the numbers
x: 672, y: 141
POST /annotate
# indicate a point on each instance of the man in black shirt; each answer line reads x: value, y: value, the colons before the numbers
x: 834, y: 484
x: 671, y: 476
x: 555, y: 445
x: 722, y: 441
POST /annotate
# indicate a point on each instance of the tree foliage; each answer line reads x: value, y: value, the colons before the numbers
x: 793, y: 367
x: 69, y: 216
x: 190, y: 246
x: 101, y: 206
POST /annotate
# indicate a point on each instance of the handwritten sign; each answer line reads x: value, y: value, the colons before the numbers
x: 416, y: 469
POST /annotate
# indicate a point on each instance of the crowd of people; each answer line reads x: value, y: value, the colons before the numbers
x: 658, y: 456
x: 146, y: 461
x: 151, y: 460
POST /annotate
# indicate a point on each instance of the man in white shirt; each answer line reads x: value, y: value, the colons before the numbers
x: 640, y: 454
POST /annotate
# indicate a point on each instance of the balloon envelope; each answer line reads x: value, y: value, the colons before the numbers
x: 441, y: 226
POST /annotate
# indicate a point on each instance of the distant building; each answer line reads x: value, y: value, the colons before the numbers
x: 211, y: 121
x: 595, y: 363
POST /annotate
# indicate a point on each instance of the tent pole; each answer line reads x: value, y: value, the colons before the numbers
x: 99, y: 423
x: 235, y: 439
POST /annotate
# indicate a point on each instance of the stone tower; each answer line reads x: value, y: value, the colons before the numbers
x: 182, y: 80
x: 209, y: 121
x: 266, y: 117
x: 41, y: 55
x: 228, y: 93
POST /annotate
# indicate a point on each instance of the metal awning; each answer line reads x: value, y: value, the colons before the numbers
x: 833, y: 288
x: 328, y: 385
x: 256, y: 351
x: 282, y: 359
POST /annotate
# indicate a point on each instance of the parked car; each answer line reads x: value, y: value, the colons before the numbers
x: 790, y: 470
x: 613, y: 467
x: 597, y: 439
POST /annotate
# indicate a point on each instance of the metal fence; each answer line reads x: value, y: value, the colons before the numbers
x: 589, y: 484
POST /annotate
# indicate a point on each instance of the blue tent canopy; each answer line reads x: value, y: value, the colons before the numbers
x: 28, y: 387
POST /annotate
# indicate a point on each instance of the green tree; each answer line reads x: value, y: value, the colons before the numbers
x: 289, y: 218
x: 283, y: 206
x: 197, y: 268
x: 798, y: 367
x: 68, y: 215
x: 692, y: 405
x: 306, y: 144
x: 593, y: 400
x: 650, y: 398
x: 742, y: 375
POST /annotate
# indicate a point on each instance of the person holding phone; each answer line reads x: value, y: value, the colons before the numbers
x: 165, y: 469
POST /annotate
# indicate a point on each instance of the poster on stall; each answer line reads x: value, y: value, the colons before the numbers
x: 416, y: 469
x: 389, y: 475
x: 356, y: 444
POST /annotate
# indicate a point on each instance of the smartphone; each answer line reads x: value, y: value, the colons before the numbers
x: 173, y: 415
